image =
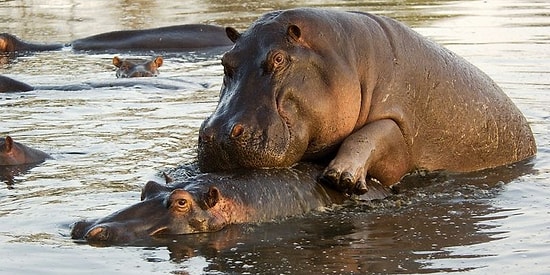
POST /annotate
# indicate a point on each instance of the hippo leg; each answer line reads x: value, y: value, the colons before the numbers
x: 378, y: 150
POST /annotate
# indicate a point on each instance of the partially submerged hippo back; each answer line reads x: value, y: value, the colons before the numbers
x: 363, y: 92
x: 11, y: 85
x: 209, y: 202
x: 131, y: 68
x: 11, y: 44
x: 15, y: 153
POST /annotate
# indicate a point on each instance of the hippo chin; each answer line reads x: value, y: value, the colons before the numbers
x: 15, y: 153
x: 361, y: 92
x: 209, y: 202
x: 131, y: 68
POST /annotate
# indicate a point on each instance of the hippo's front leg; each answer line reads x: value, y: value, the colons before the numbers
x: 377, y: 150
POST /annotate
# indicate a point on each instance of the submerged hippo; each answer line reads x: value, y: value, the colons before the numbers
x: 171, y: 38
x: 209, y: 202
x: 11, y: 85
x: 15, y: 153
x: 130, y: 68
x: 361, y: 92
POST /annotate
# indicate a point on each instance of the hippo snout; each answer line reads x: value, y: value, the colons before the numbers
x: 238, y: 143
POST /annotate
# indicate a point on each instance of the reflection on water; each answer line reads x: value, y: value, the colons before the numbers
x: 481, y: 223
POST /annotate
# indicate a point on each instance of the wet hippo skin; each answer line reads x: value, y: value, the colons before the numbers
x: 362, y: 93
x: 211, y: 201
x: 171, y: 38
x: 11, y: 85
x: 15, y: 153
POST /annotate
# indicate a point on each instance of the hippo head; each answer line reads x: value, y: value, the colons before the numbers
x: 287, y: 95
x: 162, y: 211
x: 127, y: 68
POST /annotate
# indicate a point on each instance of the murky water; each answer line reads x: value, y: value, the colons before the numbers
x: 107, y: 142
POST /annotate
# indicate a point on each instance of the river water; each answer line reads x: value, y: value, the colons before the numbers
x: 109, y: 140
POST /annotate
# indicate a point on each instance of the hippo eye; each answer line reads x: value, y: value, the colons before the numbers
x: 181, y: 203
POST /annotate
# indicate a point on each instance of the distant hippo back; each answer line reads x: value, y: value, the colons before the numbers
x: 361, y: 92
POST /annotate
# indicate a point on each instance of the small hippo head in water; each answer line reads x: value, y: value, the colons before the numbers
x: 162, y: 211
x: 127, y: 68
x: 15, y: 153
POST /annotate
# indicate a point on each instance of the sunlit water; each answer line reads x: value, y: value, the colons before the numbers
x: 108, y: 141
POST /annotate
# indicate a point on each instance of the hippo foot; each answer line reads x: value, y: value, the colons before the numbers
x: 345, y: 181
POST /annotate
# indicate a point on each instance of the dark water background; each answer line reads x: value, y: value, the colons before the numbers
x: 494, y: 222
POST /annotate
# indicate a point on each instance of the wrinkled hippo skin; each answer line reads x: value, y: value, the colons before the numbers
x: 362, y: 93
x: 209, y: 202
x: 130, y: 68
x: 11, y: 85
x: 172, y: 38
x: 15, y: 153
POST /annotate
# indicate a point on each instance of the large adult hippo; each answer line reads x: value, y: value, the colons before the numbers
x: 172, y: 38
x: 362, y: 92
x: 209, y: 202
x: 15, y: 153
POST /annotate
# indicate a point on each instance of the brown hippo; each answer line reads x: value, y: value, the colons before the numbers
x: 15, y: 153
x: 361, y: 92
x: 172, y: 38
x: 11, y: 85
x: 131, y: 68
x: 209, y: 202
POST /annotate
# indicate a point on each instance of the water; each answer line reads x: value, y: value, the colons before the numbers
x: 108, y: 141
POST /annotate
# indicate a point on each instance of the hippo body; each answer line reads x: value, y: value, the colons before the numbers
x: 11, y: 44
x: 129, y: 68
x: 11, y: 85
x: 209, y: 202
x: 172, y: 38
x: 362, y: 93
x: 15, y: 153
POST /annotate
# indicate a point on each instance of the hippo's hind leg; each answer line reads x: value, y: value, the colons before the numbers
x: 377, y: 150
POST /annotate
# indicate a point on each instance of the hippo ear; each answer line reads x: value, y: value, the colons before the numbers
x: 167, y: 178
x: 8, y: 145
x: 233, y: 34
x: 294, y: 32
x: 116, y: 61
x: 212, y: 197
x: 158, y: 61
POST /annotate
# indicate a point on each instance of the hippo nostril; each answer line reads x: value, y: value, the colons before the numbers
x: 237, y: 131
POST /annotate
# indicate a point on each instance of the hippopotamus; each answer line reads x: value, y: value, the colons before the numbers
x: 11, y: 85
x: 15, y: 153
x: 129, y: 68
x: 208, y: 202
x: 172, y: 38
x: 363, y: 94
